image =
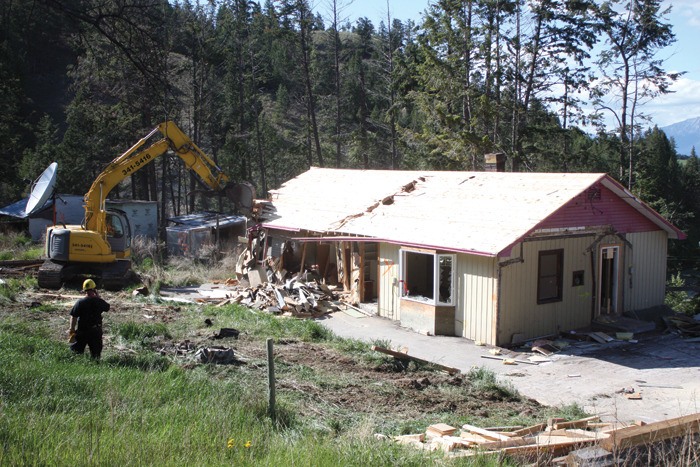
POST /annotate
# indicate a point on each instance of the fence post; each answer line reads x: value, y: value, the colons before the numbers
x: 270, y: 379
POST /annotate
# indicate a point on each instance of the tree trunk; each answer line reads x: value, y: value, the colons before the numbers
x: 306, y: 59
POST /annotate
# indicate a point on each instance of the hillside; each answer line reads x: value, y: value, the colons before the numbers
x: 686, y: 134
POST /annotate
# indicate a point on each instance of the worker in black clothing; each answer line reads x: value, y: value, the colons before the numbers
x: 87, y: 316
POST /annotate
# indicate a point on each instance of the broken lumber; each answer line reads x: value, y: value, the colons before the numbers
x: 557, y: 448
x: 580, y: 423
x: 529, y: 430
x: 492, y: 435
x: 493, y: 357
x: 652, y: 432
x: 509, y: 443
x: 403, y: 356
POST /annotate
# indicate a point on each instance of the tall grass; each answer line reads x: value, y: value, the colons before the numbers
x: 62, y: 409
x: 11, y: 287
x: 14, y: 245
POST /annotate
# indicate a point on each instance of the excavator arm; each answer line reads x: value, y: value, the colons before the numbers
x: 136, y: 158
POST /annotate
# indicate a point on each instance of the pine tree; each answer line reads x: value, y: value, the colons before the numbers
x: 635, y: 32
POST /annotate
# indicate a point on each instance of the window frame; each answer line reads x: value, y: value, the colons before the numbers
x: 558, y: 275
x: 435, y: 301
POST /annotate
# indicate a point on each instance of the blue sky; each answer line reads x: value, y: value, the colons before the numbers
x: 680, y: 105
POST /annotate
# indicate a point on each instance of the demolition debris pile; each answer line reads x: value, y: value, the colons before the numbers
x: 557, y: 442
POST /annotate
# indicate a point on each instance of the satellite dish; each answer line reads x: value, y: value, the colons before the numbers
x: 42, y: 189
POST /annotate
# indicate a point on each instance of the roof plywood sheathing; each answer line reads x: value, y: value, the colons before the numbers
x: 482, y: 213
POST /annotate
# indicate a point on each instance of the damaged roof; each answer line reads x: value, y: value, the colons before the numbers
x: 474, y: 212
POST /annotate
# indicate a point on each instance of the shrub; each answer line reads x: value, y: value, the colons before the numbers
x: 679, y: 300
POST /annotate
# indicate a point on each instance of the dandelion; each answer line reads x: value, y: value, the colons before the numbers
x: 247, y: 444
x: 230, y: 443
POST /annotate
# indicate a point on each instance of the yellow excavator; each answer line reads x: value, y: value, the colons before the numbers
x: 101, y: 246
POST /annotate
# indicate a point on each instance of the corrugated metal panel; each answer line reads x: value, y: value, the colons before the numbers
x: 388, y: 303
x: 599, y: 206
x: 519, y: 311
x: 647, y: 286
x: 476, y: 298
x: 142, y: 215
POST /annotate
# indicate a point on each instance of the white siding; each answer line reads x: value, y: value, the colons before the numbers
x: 389, y: 298
x: 475, y: 281
x: 519, y: 311
x: 646, y: 261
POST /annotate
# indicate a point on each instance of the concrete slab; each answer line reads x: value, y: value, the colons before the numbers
x: 663, y: 368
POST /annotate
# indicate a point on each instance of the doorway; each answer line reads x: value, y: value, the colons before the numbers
x: 609, y: 280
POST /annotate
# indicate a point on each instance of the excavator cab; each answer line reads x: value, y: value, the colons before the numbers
x: 119, y: 233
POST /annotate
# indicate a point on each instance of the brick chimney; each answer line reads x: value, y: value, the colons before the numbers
x: 495, y: 162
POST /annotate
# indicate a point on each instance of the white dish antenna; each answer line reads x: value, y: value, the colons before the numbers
x: 42, y: 189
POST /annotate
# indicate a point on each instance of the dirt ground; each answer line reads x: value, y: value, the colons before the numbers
x: 662, y: 367
x: 340, y: 384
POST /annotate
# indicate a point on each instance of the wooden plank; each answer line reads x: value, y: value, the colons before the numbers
x: 506, y: 359
x: 257, y: 276
x: 492, y: 435
x: 576, y: 433
x: 580, y: 423
x: 553, y: 449
x: 404, y: 356
x: 530, y: 430
x: 549, y: 440
x: 303, y: 259
x: 657, y: 431
x: 511, y: 442
x: 473, y: 438
x: 441, y: 429
x: 449, y: 443
x: 505, y: 430
x: 553, y: 421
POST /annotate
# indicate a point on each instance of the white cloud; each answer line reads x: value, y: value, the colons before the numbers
x: 688, y: 10
x: 683, y: 103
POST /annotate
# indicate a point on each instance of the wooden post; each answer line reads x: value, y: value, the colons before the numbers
x: 271, y: 379
x: 303, y: 259
x: 361, y: 285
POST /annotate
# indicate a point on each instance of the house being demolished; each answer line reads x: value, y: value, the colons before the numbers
x: 491, y: 256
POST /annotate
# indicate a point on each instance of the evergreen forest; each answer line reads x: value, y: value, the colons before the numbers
x: 270, y: 88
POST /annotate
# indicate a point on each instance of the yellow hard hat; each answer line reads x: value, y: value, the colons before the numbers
x: 88, y: 284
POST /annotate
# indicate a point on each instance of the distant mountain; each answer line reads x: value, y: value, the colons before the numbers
x: 686, y: 134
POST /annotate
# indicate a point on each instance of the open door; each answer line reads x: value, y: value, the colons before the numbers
x: 609, y: 280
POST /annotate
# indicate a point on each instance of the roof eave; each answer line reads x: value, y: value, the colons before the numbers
x: 644, y: 209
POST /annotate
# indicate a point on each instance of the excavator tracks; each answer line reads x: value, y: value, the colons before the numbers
x: 50, y: 275
x: 116, y: 275
x: 111, y: 276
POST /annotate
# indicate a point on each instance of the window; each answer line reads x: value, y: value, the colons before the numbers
x: 549, y: 276
x: 427, y: 277
x: 114, y: 226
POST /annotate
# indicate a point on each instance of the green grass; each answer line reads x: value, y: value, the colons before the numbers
x: 18, y: 246
x: 13, y: 286
x: 137, y: 331
x: 61, y: 409
x: 137, y: 406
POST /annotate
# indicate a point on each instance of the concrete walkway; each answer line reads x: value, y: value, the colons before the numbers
x: 663, y: 368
